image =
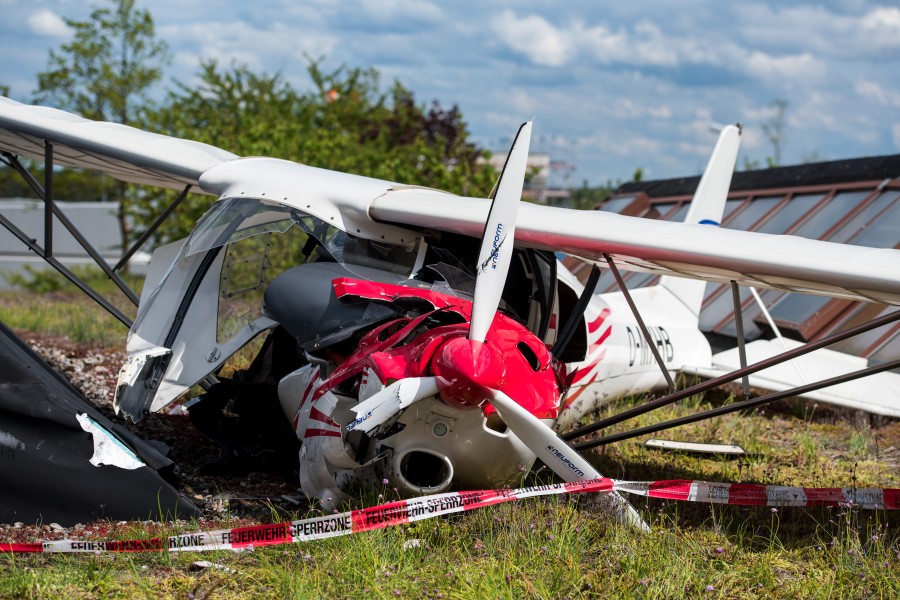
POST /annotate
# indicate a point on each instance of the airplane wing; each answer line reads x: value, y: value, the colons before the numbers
x: 690, y: 250
x: 707, y: 252
x: 117, y: 150
x: 876, y: 393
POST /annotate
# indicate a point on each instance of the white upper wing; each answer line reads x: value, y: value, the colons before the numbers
x: 117, y: 150
x: 698, y: 251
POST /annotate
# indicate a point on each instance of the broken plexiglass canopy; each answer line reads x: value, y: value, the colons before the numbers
x: 268, y: 238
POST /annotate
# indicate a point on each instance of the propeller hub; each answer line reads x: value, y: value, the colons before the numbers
x: 466, y: 370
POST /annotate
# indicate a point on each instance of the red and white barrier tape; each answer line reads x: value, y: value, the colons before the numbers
x: 427, y: 507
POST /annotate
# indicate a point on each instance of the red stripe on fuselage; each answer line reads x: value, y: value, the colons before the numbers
x: 318, y: 415
x: 603, y: 336
x: 598, y: 322
x: 321, y: 433
x: 309, y: 387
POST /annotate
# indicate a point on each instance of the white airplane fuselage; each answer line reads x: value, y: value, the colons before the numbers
x: 619, y: 360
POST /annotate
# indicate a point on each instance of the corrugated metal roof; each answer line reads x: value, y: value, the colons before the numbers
x: 835, y: 172
x: 854, y: 201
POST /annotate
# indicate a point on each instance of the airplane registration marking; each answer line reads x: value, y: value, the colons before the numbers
x: 639, y: 352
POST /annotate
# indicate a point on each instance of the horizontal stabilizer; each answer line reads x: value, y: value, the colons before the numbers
x: 876, y: 393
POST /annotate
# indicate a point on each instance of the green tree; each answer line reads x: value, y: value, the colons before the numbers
x: 107, y: 69
x: 345, y: 123
x: 588, y: 198
x: 105, y: 73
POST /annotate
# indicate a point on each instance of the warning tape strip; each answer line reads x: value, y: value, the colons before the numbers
x: 427, y: 507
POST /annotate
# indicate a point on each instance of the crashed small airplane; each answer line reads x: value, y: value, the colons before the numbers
x: 428, y: 339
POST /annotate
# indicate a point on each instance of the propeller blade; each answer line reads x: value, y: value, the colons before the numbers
x: 383, y: 405
x: 497, y: 243
x: 557, y: 454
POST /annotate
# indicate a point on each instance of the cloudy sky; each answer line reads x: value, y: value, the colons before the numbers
x: 612, y: 85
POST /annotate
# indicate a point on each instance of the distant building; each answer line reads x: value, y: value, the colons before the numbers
x: 97, y: 222
x: 848, y: 201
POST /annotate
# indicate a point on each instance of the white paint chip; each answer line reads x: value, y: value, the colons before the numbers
x: 107, y: 449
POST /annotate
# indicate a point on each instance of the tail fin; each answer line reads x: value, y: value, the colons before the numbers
x: 707, y: 208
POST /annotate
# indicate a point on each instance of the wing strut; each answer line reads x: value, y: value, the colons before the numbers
x: 575, y: 318
x: 738, y: 406
x: 25, y: 239
x: 152, y: 229
x: 45, y: 193
x: 637, y: 316
x: 729, y: 377
x: 48, y: 198
x: 739, y: 326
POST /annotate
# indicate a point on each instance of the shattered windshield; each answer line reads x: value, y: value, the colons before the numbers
x: 262, y: 239
x: 236, y: 219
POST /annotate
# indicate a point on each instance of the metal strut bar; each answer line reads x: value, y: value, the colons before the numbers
x: 743, y: 405
x: 729, y: 377
x: 23, y: 237
x: 739, y: 325
x: 152, y: 229
x: 48, y: 233
x: 637, y: 316
x: 568, y: 329
x: 48, y: 199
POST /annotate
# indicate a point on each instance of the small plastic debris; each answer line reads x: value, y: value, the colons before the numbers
x: 726, y: 449
x: 199, y: 565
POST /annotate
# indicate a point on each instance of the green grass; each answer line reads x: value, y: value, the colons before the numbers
x: 562, y: 547
x: 533, y: 549
x: 45, y: 302
x: 558, y: 547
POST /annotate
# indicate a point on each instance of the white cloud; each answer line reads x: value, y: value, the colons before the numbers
x: 660, y: 112
x: 521, y: 102
x: 752, y: 138
x: 880, y: 29
x: 790, y: 68
x: 873, y: 90
x: 598, y: 76
x: 816, y: 29
x: 626, y: 108
x: 814, y: 111
x: 883, y: 19
x: 47, y: 23
x: 548, y: 45
x: 542, y: 43
x: 386, y: 11
x: 260, y: 49
x: 646, y: 45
